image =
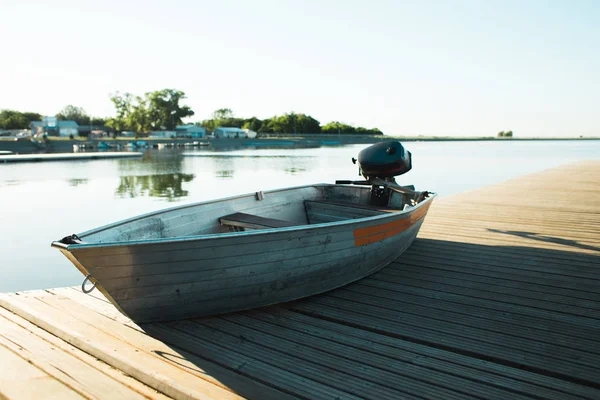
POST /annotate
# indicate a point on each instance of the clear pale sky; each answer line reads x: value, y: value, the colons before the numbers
x: 406, y: 67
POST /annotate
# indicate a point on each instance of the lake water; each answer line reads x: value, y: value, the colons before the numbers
x: 42, y: 202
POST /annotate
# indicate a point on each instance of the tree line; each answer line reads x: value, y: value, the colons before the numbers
x: 162, y: 110
x: 11, y: 119
x: 289, y: 123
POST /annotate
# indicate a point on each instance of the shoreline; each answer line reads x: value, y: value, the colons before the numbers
x: 60, y: 145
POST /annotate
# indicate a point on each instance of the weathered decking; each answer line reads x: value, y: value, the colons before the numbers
x: 499, y: 298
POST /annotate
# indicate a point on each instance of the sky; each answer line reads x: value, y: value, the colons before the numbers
x: 446, y: 68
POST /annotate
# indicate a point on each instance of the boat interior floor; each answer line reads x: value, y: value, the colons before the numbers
x: 317, y: 211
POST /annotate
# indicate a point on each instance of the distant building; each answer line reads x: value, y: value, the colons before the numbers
x: 162, y: 134
x: 85, y: 129
x: 221, y: 132
x: 68, y: 128
x: 96, y: 134
x: 190, y: 131
x: 250, y: 134
x: 51, y: 126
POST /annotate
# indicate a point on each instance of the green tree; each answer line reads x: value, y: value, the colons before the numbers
x: 508, y: 134
x: 266, y: 126
x: 254, y: 124
x: 31, y: 117
x: 160, y: 109
x: 501, y: 134
x: 294, y: 123
x: 208, y: 124
x: 138, y: 118
x: 365, y: 131
x: 73, y: 113
x: 99, y: 121
x: 222, y: 113
x: 307, y: 124
x: 123, y: 106
x: 222, y: 117
x: 164, y: 108
x: 10, y: 119
x: 231, y: 122
x: 336, y: 128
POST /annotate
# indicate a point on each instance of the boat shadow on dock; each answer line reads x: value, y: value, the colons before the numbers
x: 449, y: 319
x: 549, y: 239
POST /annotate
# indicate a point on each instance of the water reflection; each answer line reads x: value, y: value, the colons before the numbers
x: 294, y: 170
x: 10, y: 183
x: 224, y: 174
x: 160, y: 162
x: 168, y: 186
x: 76, y: 182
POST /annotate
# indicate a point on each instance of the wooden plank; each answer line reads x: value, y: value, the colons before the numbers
x: 571, y: 370
x: 498, y: 311
x: 224, y: 375
x: 517, y: 295
x: 100, y: 366
x: 194, y: 360
x: 512, y: 265
x: 528, y: 246
x: 21, y: 380
x: 574, y: 286
x: 429, y: 356
x: 524, y: 256
x: 74, y: 373
x: 487, y: 333
x: 95, y: 301
x: 415, y: 379
x: 371, y: 385
x: 271, y: 374
x: 510, y: 326
x: 536, y: 287
x: 485, y: 295
x: 251, y: 367
x: 147, y: 367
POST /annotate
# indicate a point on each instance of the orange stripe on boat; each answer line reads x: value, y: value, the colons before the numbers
x: 377, y: 233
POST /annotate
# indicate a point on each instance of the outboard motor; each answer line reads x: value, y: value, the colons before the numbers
x: 379, y: 164
x: 384, y: 160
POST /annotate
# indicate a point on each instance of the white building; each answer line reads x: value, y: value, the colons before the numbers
x: 250, y: 134
x: 221, y: 132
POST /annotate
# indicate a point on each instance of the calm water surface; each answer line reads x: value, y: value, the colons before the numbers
x: 42, y: 202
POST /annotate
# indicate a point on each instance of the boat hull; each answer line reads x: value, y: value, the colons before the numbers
x: 161, y: 280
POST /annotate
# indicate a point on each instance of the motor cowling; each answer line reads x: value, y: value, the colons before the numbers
x: 384, y: 160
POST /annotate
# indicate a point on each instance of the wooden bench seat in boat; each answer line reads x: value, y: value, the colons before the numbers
x: 322, y: 211
x: 243, y: 220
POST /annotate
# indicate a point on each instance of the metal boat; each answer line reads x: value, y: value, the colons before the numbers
x: 257, y: 249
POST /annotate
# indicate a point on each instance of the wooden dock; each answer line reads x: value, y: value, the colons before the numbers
x: 92, y: 155
x: 499, y: 298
